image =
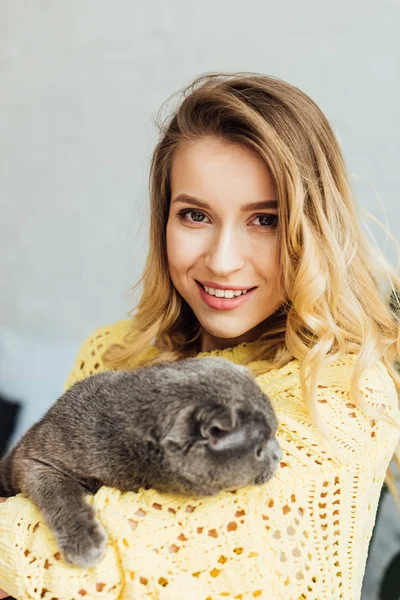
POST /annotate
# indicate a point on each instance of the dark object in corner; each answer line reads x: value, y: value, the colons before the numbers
x: 390, y: 584
x: 9, y: 410
x: 390, y: 581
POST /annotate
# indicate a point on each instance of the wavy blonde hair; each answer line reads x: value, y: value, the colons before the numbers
x: 330, y: 271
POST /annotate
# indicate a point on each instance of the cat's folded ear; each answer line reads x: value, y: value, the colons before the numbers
x: 178, y: 430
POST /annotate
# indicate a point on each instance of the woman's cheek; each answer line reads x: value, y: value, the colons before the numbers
x: 185, y: 246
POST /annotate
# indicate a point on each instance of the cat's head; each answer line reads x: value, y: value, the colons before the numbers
x: 220, y: 433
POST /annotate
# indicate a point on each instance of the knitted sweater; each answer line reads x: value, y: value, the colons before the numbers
x: 304, y: 534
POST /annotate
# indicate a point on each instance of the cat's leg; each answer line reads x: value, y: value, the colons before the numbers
x: 61, y: 500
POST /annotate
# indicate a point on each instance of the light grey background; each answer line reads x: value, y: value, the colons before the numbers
x: 80, y: 84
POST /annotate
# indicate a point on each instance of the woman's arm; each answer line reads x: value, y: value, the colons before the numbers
x: 31, y: 562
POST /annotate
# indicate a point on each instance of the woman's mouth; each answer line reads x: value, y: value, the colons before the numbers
x: 224, y: 299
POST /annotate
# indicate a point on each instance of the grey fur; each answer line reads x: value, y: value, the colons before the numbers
x: 193, y: 427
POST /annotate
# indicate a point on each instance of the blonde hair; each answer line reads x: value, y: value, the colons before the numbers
x: 330, y: 271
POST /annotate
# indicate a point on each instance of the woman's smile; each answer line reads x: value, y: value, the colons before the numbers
x: 227, y: 298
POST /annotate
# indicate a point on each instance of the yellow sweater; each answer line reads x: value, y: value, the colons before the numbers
x: 302, y: 535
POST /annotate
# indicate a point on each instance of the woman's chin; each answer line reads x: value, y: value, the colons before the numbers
x: 217, y: 338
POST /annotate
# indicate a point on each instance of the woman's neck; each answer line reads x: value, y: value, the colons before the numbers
x: 209, y: 342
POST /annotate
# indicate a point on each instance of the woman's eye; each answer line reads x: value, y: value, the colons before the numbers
x: 196, y: 216
x: 192, y: 215
x: 265, y: 220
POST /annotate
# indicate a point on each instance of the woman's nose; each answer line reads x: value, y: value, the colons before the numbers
x: 225, y: 254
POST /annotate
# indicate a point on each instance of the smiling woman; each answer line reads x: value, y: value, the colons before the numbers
x: 224, y: 238
x: 257, y: 255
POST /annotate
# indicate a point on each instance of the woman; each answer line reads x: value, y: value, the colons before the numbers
x: 256, y: 254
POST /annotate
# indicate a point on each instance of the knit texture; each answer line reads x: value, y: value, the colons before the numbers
x: 304, y: 534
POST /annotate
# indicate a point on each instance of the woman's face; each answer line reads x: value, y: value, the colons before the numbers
x: 222, y: 238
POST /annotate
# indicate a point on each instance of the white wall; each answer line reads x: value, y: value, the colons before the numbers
x: 80, y: 83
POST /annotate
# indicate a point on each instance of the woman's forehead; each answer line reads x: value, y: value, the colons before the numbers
x: 210, y: 171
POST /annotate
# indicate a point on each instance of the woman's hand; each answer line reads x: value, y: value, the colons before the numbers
x: 3, y: 594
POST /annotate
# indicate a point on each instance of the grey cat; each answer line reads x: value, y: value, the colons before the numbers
x: 192, y: 427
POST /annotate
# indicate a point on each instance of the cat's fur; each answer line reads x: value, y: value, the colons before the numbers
x: 193, y: 427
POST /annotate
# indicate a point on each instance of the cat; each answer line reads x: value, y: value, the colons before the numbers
x: 193, y: 427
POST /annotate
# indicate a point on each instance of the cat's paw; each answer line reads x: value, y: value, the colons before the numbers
x: 85, y: 546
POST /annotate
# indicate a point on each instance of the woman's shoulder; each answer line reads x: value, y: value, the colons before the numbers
x: 353, y: 432
x: 375, y: 382
x: 105, y: 335
x: 89, y: 359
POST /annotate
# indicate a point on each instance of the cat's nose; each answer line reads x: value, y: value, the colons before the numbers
x: 269, y: 448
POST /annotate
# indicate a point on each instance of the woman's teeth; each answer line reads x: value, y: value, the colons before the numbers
x: 224, y: 293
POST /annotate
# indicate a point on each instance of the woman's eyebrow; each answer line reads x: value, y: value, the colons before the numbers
x: 246, y: 207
